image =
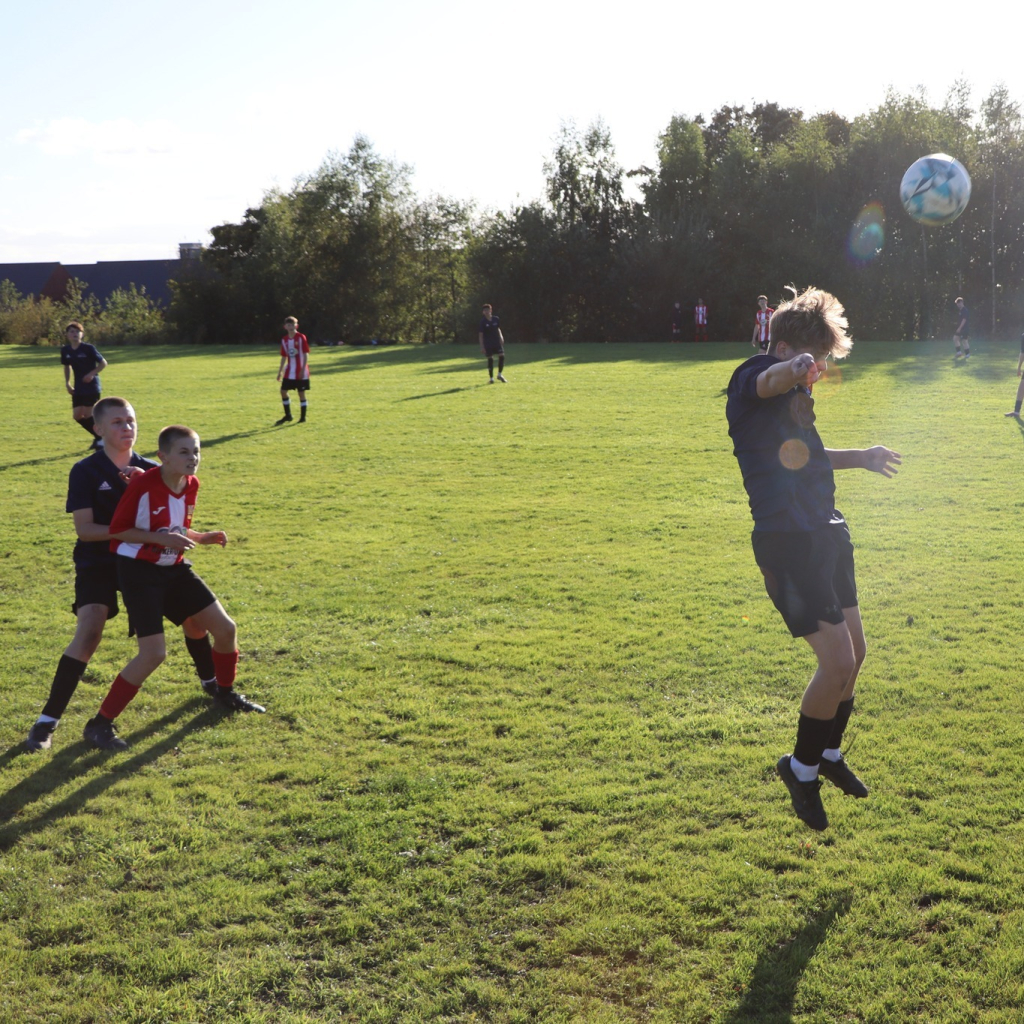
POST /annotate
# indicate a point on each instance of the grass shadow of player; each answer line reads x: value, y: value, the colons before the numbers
x: 770, y: 996
x: 78, y: 454
x: 81, y: 758
x: 238, y: 435
x: 437, y: 394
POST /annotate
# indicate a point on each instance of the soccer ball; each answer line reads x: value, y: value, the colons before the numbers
x: 935, y: 190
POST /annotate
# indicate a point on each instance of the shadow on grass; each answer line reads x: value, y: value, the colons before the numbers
x: 81, y: 758
x: 75, y: 455
x: 437, y: 394
x: 772, y: 990
x: 224, y: 438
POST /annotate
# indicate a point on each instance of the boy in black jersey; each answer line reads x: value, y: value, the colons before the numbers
x: 492, y: 343
x: 95, y: 486
x: 85, y: 363
x: 801, y: 541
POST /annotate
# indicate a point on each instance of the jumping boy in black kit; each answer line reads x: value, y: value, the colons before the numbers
x: 801, y: 541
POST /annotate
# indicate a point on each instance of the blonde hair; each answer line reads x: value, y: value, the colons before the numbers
x: 812, y: 321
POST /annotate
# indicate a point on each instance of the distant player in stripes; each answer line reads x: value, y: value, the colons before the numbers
x: 700, y: 321
x: 1020, y: 387
x: 294, y: 369
x: 762, y: 318
x: 150, y: 532
x: 85, y: 362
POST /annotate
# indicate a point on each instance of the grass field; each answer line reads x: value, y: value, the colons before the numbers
x: 526, y: 694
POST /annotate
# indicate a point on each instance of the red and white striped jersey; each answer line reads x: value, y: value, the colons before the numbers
x: 761, y: 318
x: 296, y: 351
x: 150, y: 505
x: 700, y: 314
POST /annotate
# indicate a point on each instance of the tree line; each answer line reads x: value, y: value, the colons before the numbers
x: 741, y: 202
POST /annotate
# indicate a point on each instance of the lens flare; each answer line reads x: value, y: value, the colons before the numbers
x: 794, y: 454
x: 867, y: 235
x: 829, y: 382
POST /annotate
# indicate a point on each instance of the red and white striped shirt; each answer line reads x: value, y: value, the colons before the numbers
x: 149, y: 504
x: 700, y: 314
x: 296, y: 351
x: 761, y: 318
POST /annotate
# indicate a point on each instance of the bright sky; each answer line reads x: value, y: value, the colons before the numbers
x: 128, y: 127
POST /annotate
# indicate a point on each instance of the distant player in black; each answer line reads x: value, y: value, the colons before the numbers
x: 677, y: 322
x: 492, y: 343
x: 962, y: 334
x: 801, y: 541
x: 86, y: 364
x: 95, y: 486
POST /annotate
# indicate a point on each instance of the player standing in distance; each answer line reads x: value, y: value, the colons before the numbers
x: 150, y: 531
x: 677, y: 322
x: 95, y: 486
x: 962, y: 334
x: 1020, y: 386
x: 492, y: 343
x: 762, y: 318
x: 294, y: 368
x: 85, y: 362
x: 700, y: 321
x: 801, y: 541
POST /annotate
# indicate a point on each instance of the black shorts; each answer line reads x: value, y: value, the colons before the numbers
x: 154, y: 592
x: 493, y: 348
x: 808, y: 574
x: 96, y: 584
x: 294, y: 384
x: 89, y: 398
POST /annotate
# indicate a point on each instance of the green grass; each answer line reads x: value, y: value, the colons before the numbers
x: 526, y: 695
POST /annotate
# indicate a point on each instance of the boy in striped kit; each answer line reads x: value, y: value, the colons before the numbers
x: 762, y: 318
x: 700, y: 321
x: 150, y: 532
x: 294, y: 369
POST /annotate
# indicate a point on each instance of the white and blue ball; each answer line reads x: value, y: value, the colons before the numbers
x: 935, y: 189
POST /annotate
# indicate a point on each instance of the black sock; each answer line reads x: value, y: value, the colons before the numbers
x: 201, y: 656
x: 65, y: 681
x: 302, y: 408
x: 86, y: 425
x: 839, y: 723
x: 287, y: 403
x: 501, y: 363
x: 490, y: 365
x: 812, y: 737
x: 1016, y: 406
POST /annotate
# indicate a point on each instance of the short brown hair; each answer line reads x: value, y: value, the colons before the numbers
x: 291, y: 320
x: 75, y: 324
x: 171, y: 434
x: 486, y: 305
x: 760, y: 297
x: 104, y: 405
x: 812, y: 321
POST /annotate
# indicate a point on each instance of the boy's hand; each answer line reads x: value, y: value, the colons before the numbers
x: 128, y: 472
x: 177, y: 541
x: 68, y: 388
x: 89, y: 378
x: 805, y: 369
x: 214, y: 537
x: 882, y: 460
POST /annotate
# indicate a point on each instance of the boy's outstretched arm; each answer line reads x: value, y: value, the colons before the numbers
x: 782, y: 377
x: 878, y: 459
x: 210, y: 537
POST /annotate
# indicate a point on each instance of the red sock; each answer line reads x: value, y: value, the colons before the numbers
x: 118, y: 698
x: 225, y: 665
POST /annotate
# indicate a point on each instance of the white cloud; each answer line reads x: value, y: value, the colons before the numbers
x: 107, y: 142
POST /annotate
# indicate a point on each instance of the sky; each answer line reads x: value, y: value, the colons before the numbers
x: 126, y: 128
